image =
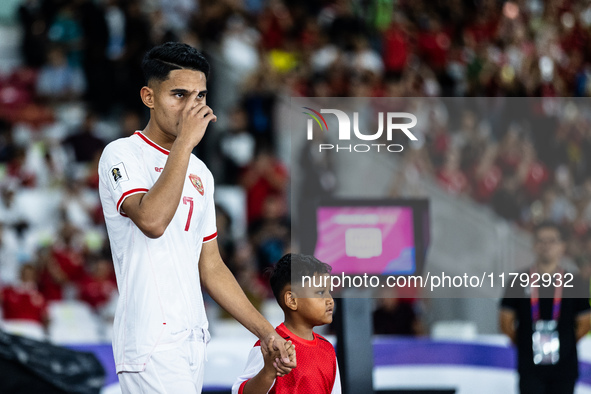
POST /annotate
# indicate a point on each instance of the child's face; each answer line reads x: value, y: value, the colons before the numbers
x: 315, y: 304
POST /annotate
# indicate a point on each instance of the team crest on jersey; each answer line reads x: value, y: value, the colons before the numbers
x: 196, y: 181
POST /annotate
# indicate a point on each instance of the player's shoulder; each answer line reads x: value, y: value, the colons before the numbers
x: 198, y: 163
x: 124, y: 145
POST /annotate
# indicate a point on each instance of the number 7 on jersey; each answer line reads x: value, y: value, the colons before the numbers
x: 188, y: 200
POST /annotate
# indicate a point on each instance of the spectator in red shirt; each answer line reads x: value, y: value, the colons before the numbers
x: 450, y: 176
x: 434, y: 45
x: 264, y: 177
x: 23, y: 301
x: 510, y: 153
x: 97, y: 288
x: 487, y: 176
x: 396, y: 47
x: 62, y: 264
x: 532, y: 172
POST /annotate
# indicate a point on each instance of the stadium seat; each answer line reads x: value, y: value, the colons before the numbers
x: 25, y: 328
x: 73, y: 322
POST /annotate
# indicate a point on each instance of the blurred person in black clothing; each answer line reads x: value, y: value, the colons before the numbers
x: 7, y: 146
x: 396, y: 316
x: 84, y: 144
x: 34, y: 27
x: 508, y: 200
x: 545, y: 323
x: 271, y: 233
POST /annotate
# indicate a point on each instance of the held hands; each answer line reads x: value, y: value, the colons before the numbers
x: 279, y: 355
x: 194, y: 119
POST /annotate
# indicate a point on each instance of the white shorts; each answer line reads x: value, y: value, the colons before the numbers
x: 174, y: 371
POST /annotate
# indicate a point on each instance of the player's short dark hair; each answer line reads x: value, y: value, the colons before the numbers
x: 552, y: 226
x: 296, y: 265
x: 159, y: 61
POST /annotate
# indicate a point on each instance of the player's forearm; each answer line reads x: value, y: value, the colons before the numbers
x: 261, y: 383
x: 157, y: 207
x: 223, y: 288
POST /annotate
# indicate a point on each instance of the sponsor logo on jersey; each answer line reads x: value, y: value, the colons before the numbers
x: 196, y: 181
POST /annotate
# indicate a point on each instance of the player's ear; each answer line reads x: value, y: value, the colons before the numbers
x: 290, y: 300
x: 147, y: 95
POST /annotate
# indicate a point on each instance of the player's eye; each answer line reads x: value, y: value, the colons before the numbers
x: 179, y: 95
x: 201, y: 95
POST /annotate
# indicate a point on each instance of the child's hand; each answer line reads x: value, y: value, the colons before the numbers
x: 270, y: 354
x: 282, y: 369
x: 272, y: 357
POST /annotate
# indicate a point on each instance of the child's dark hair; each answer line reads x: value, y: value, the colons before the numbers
x: 297, y: 265
x: 161, y: 60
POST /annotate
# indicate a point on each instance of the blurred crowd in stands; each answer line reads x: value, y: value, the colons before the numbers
x: 77, y: 90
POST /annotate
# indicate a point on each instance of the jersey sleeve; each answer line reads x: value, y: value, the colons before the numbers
x: 123, y: 173
x: 254, y: 365
x: 209, y: 226
x: 336, y: 387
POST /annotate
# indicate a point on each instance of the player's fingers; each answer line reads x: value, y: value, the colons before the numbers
x: 290, y: 347
x: 293, y: 362
x: 196, y: 109
x: 291, y: 352
x: 284, y: 355
x: 203, y: 110
x: 190, y: 104
x: 211, y: 118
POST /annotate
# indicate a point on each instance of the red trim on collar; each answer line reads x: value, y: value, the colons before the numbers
x: 152, y: 144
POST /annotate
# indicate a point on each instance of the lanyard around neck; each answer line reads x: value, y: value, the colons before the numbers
x: 535, y: 301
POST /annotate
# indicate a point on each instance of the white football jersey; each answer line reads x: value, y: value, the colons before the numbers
x: 160, y: 298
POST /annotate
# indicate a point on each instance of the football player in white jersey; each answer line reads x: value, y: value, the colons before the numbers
x: 158, y: 204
